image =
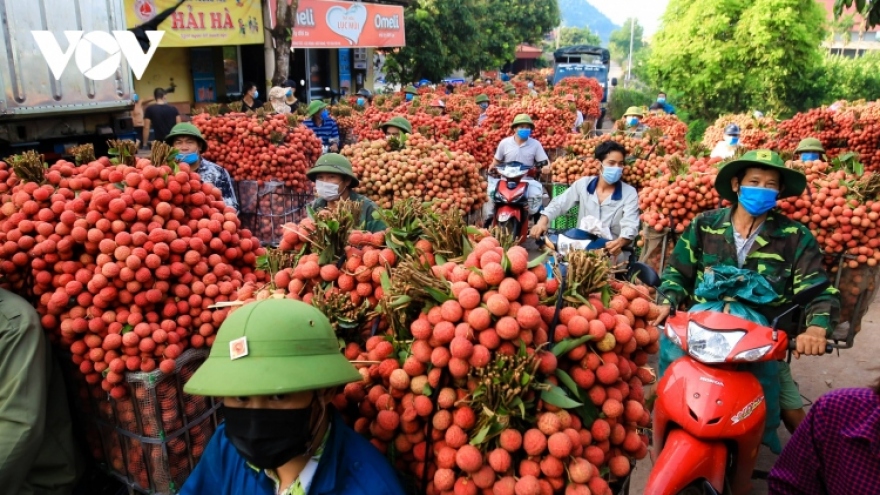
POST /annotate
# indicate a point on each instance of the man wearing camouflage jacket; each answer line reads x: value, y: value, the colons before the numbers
x: 750, y: 235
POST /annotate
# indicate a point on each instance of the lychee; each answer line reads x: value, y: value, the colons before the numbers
x: 633, y: 411
x: 612, y: 408
x: 632, y: 443
x: 464, y: 417
x: 443, y: 332
x: 580, y: 470
x: 608, y: 373
x: 469, y: 298
x: 399, y: 379
x: 498, y: 305
x: 519, y: 259
x: 479, y: 319
x: 493, y: 273
x: 480, y: 356
x: 552, y: 467
x: 640, y: 307
x: 500, y: 460
x: 461, y: 348
x: 489, y: 338
x: 507, y: 328
x: 504, y: 486
x: 446, y: 457
x: 446, y: 398
x: 559, y: 445
x: 527, y: 485
x: 510, y: 289
x: 600, y: 430
x: 598, y: 486
x: 578, y: 326
x: 455, y: 437
x: 444, y: 479
x: 619, y: 466
x: 528, y: 317
x: 468, y: 458
x: 388, y: 420
x: 510, y: 440
x: 534, y: 442
x: 451, y: 311
x: 484, y: 478
x: 549, y: 423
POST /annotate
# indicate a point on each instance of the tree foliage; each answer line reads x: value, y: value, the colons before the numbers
x: 445, y: 35
x: 737, y: 55
x: 619, y: 42
x: 578, y: 36
x: 870, y: 10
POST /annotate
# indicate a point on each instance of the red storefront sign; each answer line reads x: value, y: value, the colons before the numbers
x: 336, y: 24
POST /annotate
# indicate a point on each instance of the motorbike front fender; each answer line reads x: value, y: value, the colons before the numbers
x: 684, y: 460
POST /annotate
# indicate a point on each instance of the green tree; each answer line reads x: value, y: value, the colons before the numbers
x: 619, y: 41
x: 733, y: 55
x: 569, y: 36
x: 869, y: 9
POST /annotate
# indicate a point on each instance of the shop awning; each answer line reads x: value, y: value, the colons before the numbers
x: 338, y: 24
x: 201, y: 23
x: 528, y: 52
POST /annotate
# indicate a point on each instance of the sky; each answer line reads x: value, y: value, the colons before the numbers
x: 648, y: 12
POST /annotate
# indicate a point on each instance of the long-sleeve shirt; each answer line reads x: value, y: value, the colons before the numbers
x: 836, y: 450
x: 784, y: 252
x: 326, y: 131
x: 578, y: 121
x: 37, y: 453
x: 619, y: 212
x: 214, y: 174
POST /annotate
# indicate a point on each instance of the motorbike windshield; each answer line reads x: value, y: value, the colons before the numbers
x: 513, y: 170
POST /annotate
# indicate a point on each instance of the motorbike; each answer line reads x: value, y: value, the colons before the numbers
x: 511, y: 199
x: 576, y: 239
x: 709, y: 414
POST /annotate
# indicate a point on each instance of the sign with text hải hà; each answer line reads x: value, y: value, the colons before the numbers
x: 336, y: 24
x: 201, y: 23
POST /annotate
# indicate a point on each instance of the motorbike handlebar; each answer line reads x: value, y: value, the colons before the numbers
x: 829, y: 346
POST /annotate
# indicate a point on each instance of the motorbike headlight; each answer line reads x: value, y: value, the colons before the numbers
x: 753, y: 354
x: 709, y: 346
x: 670, y: 332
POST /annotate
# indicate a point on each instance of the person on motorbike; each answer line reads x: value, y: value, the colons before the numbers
x: 323, y: 125
x: 632, y: 122
x: 521, y: 148
x: 396, y: 126
x: 483, y: 102
x: 727, y: 147
x: 335, y: 180
x: 606, y: 198
x: 751, y: 235
x: 809, y: 149
x: 578, y: 116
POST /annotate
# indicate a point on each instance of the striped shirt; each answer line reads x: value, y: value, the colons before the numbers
x: 327, y: 131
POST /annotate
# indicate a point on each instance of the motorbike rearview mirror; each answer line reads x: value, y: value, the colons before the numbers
x: 805, y: 296
x: 646, y: 274
x: 614, y: 81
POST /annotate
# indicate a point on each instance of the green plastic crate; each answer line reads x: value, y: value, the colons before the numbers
x: 570, y: 219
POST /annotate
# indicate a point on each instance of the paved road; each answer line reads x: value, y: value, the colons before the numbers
x: 856, y: 367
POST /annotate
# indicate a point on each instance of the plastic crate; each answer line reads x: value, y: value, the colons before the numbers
x: 151, y: 440
x: 265, y: 208
x: 569, y: 220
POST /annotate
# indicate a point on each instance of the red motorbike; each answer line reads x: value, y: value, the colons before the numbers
x: 511, y: 199
x: 709, y: 414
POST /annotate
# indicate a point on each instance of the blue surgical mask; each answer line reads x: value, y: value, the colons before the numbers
x: 732, y: 140
x: 523, y: 133
x: 135, y: 97
x: 661, y: 100
x: 409, y: 97
x: 256, y: 94
x: 757, y: 200
x: 632, y: 121
x: 611, y: 174
x: 360, y: 102
x: 289, y: 93
x: 809, y: 156
x: 484, y: 105
x: 325, y: 114
x: 189, y: 158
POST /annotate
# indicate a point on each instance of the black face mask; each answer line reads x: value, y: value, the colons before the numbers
x: 268, y: 438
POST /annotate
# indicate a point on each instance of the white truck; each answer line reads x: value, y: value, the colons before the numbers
x: 48, y: 115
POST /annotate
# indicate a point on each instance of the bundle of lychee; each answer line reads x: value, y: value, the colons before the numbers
x: 672, y: 128
x: 586, y: 90
x: 414, y: 166
x: 686, y: 188
x: 755, y: 132
x: 532, y: 76
x: 261, y: 146
x: 123, y: 258
x: 474, y: 398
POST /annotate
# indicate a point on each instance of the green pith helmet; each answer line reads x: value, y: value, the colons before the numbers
x: 273, y: 346
x: 399, y: 122
x: 186, y: 129
x: 482, y: 98
x: 808, y: 145
x: 794, y: 181
x: 411, y: 90
x: 522, y: 118
x: 637, y: 111
x: 508, y: 87
x: 315, y: 107
x: 333, y: 163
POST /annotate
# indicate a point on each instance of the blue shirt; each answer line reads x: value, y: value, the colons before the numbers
x: 328, y: 130
x: 350, y: 465
x: 669, y: 109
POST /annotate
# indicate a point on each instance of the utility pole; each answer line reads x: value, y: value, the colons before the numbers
x: 632, y: 32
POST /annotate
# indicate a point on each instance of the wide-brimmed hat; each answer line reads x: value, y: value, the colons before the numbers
x: 273, y: 346
x: 411, y: 90
x: 186, y: 129
x: 333, y: 163
x: 793, y: 181
x: 522, y: 118
x: 315, y: 107
x: 399, y: 122
x: 637, y: 111
x: 569, y: 97
x: 482, y: 98
x: 508, y: 87
x: 810, y: 145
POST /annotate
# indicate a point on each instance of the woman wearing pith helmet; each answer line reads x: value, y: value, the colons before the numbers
x: 335, y: 180
x: 276, y: 364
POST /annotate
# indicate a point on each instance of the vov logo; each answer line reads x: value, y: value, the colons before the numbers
x: 83, y: 44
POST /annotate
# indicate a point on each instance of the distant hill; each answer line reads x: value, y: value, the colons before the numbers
x: 579, y: 13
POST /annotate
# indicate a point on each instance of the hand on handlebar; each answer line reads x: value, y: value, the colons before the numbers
x: 539, y: 229
x: 616, y: 246
x: 813, y: 342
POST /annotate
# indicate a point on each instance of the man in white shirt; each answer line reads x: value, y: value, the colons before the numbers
x: 578, y: 117
x: 605, y: 198
x: 726, y: 148
x: 523, y: 149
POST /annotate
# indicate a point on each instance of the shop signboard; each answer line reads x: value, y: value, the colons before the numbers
x: 192, y: 24
x: 345, y: 69
x: 336, y: 24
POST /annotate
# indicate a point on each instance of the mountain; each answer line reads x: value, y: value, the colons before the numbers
x: 579, y: 13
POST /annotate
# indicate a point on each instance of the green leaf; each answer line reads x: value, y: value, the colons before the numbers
x: 557, y: 397
x: 565, y: 345
x: 126, y: 329
x: 539, y: 260
x: 400, y: 301
x: 120, y: 186
x: 386, y: 282
x: 525, y: 379
x: 427, y: 390
x: 440, y: 259
x: 438, y: 296
x: 569, y: 383
x: 480, y: 437
x: 505, y: 263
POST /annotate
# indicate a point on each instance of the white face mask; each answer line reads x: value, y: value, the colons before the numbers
x: 327, y: 190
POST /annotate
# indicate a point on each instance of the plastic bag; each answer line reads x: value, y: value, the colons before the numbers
x: 727, y: 290
x: 594, y: 226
